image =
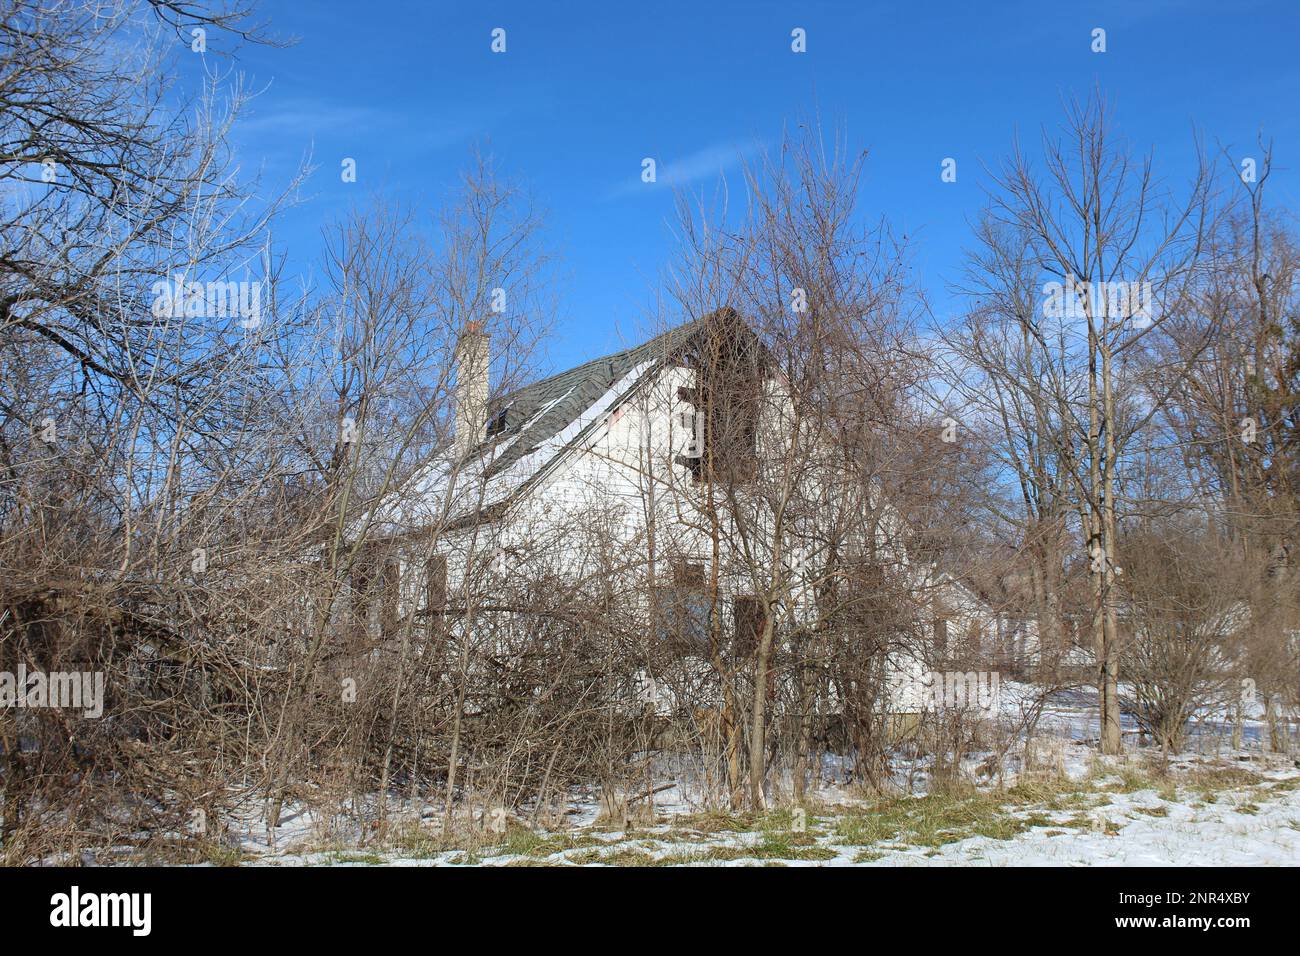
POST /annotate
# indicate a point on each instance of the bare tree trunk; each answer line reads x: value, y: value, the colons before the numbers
x: 758, y: 727
x: 1111, y: 739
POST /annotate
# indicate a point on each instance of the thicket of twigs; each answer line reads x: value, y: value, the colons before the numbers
x: 202, y: 508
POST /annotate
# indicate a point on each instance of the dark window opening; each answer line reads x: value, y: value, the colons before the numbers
x: 389, y: 596
x: 726, y: 402
x: 858, y: 606
x: 688, y: 574
x: 374, y: 584
x: 865, y: 592
x: 435, y: 585
x: 748, y: 618
x: 682, y: 610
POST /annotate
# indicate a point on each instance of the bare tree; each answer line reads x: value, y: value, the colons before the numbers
x: 1115, y: 256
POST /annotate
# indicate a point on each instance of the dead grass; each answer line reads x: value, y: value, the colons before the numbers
x: 958, y: 812
x: 931, y: 821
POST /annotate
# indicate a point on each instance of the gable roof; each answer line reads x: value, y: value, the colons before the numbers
x: 526, y: 419
x: 532, y: 429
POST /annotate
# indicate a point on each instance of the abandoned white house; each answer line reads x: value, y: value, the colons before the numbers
x: 671, y: 487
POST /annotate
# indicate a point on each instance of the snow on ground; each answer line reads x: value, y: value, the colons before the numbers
x: 1206, y: 812
x: 1175, y: 824
x: 1142, y: 829
x: 1074, y: 713
x: 1211, y: 806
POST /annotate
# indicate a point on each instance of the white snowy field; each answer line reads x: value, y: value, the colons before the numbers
x: 1055, y: 802
x: 1236, y: 810
x: 1201, y: 813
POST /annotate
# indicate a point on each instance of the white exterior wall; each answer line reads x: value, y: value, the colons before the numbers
x: 624, y: 463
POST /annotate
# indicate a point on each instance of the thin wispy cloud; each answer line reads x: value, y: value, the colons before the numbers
x: 306, y: 117
x: 707, y: 163
x: 305, y: 121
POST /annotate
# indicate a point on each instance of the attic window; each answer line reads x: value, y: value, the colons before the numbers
x: 727, y: 396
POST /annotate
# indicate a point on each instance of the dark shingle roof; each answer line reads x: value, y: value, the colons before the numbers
x: 535, y: 413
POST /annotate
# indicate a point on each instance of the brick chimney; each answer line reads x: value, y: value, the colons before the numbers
x: 471, y: 389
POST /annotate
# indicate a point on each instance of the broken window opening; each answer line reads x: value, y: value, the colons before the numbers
x: 725, y: 403
x: 749, y: 617
x: 683, y: 609
x: 435, y: 586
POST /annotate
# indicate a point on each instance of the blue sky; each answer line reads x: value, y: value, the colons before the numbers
x: 586, y: 90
